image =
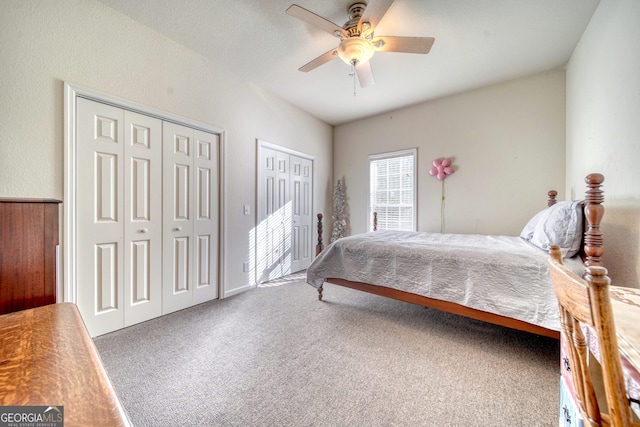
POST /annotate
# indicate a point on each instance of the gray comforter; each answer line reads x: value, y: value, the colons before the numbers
x: 504, y: 275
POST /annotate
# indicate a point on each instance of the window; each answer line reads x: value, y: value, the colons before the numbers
x: 392, y: 190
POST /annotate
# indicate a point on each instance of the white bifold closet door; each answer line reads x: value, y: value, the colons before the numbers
x: 190, y: 213
x: 119, y: 221
x: 284, y: 231
x: 300, y: 175
x: 146, y: 216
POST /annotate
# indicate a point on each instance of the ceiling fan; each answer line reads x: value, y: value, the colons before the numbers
x: 357, y: 41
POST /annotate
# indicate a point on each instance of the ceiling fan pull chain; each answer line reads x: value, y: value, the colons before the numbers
x: 353, y: 74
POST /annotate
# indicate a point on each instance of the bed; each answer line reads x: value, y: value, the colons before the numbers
x: 502, y: 280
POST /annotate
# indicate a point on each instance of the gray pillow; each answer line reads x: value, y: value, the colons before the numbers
x: 529, y: 228
x: 560, y: 224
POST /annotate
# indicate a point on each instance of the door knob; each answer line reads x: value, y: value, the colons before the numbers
x: 142, y: 230
x: 177, y: 229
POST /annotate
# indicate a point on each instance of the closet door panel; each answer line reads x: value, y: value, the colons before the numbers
x: 178, y: 207
x: 206, y: 216
x: 281, y: 231
x: 100, y: 215
x: 266, y: 206
x: 273, y: 236
x: 143, y: 218
x: 301, y: 227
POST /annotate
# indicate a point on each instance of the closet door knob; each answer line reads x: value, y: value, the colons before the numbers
x: 142, y: 230
x: 177, y: 229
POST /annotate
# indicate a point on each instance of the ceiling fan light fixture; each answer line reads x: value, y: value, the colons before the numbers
x: 355, y: 50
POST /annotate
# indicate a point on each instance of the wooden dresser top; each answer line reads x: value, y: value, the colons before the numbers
x: 47, y: 358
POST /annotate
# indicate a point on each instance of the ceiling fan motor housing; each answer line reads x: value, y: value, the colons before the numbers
x: 354, y: 14
x: 357, y: 48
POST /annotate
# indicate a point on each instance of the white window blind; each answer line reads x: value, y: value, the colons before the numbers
x: 392, y: 190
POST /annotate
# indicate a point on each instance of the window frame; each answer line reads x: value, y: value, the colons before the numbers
x: 411, y: 152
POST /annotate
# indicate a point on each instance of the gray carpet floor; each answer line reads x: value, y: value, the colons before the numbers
x: 276, y: 356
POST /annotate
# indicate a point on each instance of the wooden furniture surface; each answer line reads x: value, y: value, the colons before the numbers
x: 48, y: 359
x: 28, y: 240
x: 587, y: 302
x: 625, y: 303
x: 592, y: 250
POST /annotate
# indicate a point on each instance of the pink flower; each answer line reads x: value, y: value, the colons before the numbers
x: 441, y: 168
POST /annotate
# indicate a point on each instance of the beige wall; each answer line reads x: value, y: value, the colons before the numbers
x: 507, y: 140
x: 603, y: 128
x: 45, y: 43
x: 508, y: 146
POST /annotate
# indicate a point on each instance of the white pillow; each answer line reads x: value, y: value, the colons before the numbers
x: 562, y: 225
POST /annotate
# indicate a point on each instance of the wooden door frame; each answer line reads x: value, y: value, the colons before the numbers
x: 67, y: 283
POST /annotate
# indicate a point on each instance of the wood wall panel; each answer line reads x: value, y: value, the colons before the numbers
x: 28, y: 240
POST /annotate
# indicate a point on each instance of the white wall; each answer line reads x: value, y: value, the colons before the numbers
x: 508, y: 145
x: 45, y: 43
x: 603, y: 128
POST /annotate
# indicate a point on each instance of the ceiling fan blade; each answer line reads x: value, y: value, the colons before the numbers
x: 403, y: 44
x: 322, y: 59
x: 316, y: 20
x: 365, y: 74
x: 374, y: 12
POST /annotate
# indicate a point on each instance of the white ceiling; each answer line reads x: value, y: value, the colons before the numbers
x: 478, y: 42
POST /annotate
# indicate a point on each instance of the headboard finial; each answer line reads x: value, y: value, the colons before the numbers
x: 552, y: 194
x: 594, y: 211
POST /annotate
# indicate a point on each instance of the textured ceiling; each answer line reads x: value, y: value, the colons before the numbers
x: 478, y: 42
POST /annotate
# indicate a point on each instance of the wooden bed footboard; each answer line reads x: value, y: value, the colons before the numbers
x: 592, y: 250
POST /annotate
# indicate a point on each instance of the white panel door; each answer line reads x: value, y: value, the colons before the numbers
x: 301, y: 216
x: 284, y: 229
x: 100, y: 216
x: 119, y: 216
x: 280, y: 233
x: 206, y: 222
x: 273, y: 236
x: 265, y: 256
x: 147, y: 216
x: 178, y: 209
x: 143, y: 218
x: 190, y: 217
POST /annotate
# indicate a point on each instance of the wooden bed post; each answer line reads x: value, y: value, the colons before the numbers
x: 319, y: 248
x: 552, y: 197
x: 320, y: 245
x: 593, y: 211
x: 375, y: 221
